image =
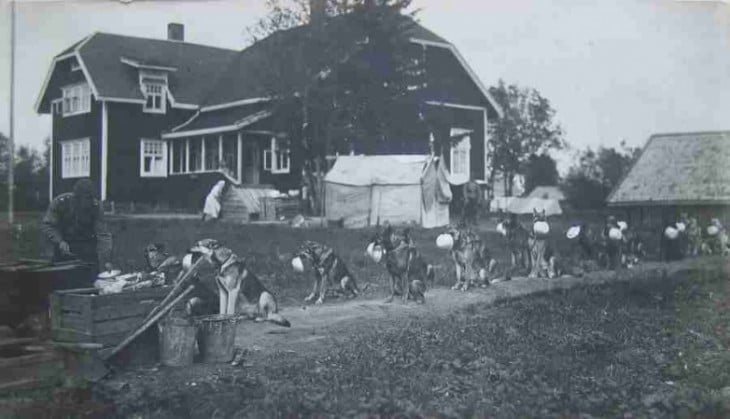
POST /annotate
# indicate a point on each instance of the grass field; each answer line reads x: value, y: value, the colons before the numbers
x: 269, y: 247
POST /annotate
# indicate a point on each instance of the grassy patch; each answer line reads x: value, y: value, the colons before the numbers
x: 603, y: 351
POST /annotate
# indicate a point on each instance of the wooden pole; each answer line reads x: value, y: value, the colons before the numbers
x: 11, y: 140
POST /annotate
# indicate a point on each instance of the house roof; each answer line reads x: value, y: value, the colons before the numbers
x: 103, y: 58
x: 196, y: 65
x: 199, y: 75
x: 547, y: 192
x: 686, y: 168
x: 221, y: 120
x: 368, y: 170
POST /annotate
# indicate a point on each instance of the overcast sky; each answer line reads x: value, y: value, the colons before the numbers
x: 613, y: 69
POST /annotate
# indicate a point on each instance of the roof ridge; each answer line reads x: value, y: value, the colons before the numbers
x: 679, y: 134
x: 165, y: 41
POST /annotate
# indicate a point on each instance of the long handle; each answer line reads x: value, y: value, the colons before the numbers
x: 178, y: 285
x: 146, y: 325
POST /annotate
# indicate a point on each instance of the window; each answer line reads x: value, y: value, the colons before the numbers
x: 57, y: 107
x: 276, y: 158
x: 153, y: 159
x: 75, y: 156
x: 460, y: 150
x: 179, y: 153
x: 212, y: 160
x: 195, y: 155
x: 76, y: 99
x: 154, y: 97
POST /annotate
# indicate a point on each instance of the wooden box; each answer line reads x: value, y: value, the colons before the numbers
x: 82, y: 315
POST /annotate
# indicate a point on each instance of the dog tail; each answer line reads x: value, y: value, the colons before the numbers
x: 278, y: 319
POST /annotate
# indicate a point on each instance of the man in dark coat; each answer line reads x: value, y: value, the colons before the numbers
x: 472, y: 198
x: 74, y: 224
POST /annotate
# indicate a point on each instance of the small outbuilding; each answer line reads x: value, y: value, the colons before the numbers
x: 677, y: 173
x: 400, y: 189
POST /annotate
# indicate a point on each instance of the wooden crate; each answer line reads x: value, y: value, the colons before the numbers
x: 82, y: 315
x: 274, y: 208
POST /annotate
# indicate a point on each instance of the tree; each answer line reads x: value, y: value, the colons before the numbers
x: 31, y: 176
x: 540, y: 170
x: 346, y: 75
x: 596, y: 173
x: 527, y: 128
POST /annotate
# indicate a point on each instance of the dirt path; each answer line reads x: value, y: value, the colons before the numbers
x: 313, y: 323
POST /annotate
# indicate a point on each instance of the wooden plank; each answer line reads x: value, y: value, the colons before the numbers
x: 124, y: 298
x: 117, y: 325
x: 76, y: 321
x: 109, y: 313
x: 66, y: 335
x: 30, y: 359
x: 7, y: 343
x: 75, y: 302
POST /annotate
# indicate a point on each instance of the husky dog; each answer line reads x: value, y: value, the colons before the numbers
x: 471, y: 257
x: 405, y: 264
x: 329, y: 270
x: 234, y: 278
x: 518, y: 242
x: 161, y: 262
x: 543, y: 259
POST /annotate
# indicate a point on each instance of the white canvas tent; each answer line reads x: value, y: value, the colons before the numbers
x: 400, y: 189
x: 526, y: 206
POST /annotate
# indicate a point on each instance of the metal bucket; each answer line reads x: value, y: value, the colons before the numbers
x: 217, y: 335
x: 177, y: 342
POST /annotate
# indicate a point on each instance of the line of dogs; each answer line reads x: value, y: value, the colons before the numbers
x: 474, y: 265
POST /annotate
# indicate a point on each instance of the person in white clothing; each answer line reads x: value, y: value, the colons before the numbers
x: 212, y: 207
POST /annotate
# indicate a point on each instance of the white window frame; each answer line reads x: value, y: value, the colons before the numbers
x: 162, y: 96
x: 277, y: 160
x: 78, y: 94
x: 75, y: 158
x: 144, y: 153
x: 460, y: 150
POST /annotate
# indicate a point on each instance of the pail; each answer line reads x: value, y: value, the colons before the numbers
x: 216, y: 337
x: 177, y: 342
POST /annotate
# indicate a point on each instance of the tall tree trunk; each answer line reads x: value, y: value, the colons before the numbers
x: 509, y: 182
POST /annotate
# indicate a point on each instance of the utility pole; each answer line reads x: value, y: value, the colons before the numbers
x: 11, y: 139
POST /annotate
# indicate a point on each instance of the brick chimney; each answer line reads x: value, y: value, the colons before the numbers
x: 176, y: 32
x: 317, y: 10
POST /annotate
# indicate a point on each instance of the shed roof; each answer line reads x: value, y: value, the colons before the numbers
x: 378, y: 170
x: 547, y: 192
x: 686, y: 168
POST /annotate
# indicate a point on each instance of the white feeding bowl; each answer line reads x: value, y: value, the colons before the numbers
x: 712, y: 230
x: 541, y: 227
x: 671, y: 233
x: 187, y: 261
x: 615, y: 234
x: 622, y: 225
x: 444, y: 241
x: 297, y: 264
x: 681, y: 227
x: 573, y: 232
x: 375, y: 252
x: 501, y: 230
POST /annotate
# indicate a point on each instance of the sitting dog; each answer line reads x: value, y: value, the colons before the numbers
x: 161, y: 262
x: 543, y: 259
x: 471, y: 257
x: 329, y: 271
x: 234, y: 277
x: 518, y: 242
x: 405, y: 264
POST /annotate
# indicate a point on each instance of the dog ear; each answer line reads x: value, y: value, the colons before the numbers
x: 160, y: 247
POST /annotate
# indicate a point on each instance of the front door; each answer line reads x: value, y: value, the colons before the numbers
x: 251, y: 163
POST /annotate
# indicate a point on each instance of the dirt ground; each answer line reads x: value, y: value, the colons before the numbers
x: 642, y: 344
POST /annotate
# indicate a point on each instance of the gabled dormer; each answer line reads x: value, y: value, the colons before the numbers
x: 153, y: 84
